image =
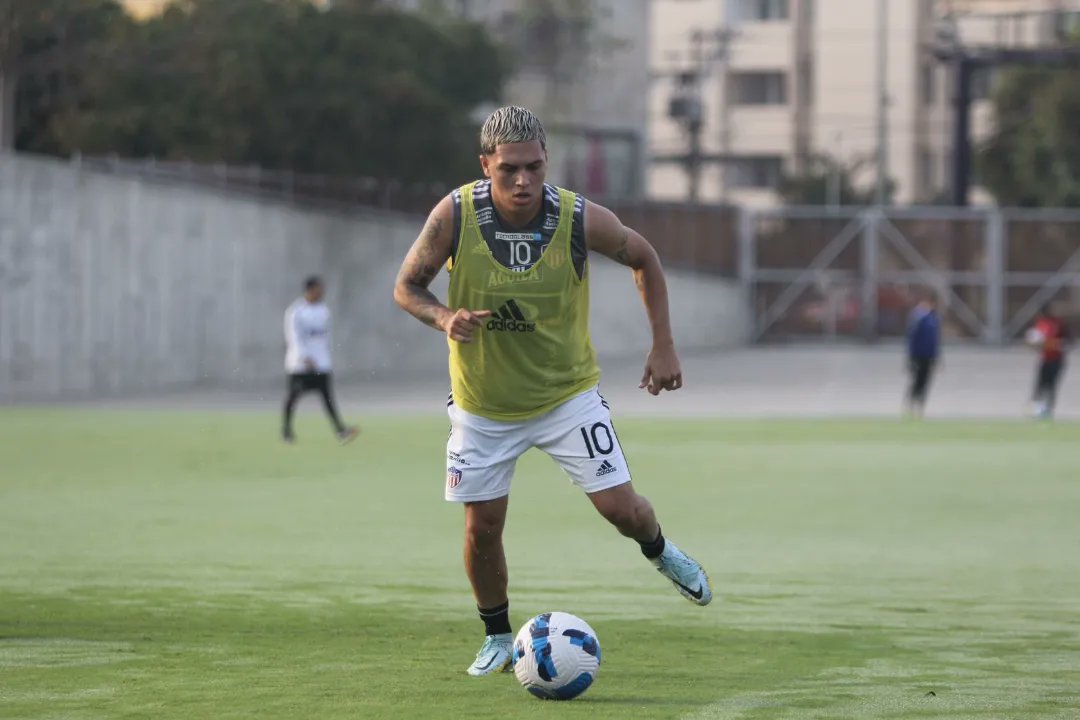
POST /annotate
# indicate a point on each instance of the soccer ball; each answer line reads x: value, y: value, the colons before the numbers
x: 1035, y: 337
x: 556, y: 656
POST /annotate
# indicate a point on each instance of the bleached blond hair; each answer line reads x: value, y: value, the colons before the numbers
x: 510, y: 124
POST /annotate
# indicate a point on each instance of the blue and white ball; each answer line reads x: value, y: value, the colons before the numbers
x: 556, y: 656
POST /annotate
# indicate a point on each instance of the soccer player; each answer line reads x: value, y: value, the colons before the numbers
x: 307, y: 357
x: 1051, y: 337
x: 923, y: 348
x: 522, y: 368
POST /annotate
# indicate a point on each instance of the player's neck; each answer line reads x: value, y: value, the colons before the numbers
x: 515, y: 216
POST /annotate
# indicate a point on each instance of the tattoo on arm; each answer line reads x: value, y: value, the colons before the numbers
x: 622, y: 254
x: 425, y: 306
x: 417, y: 272
x: 420, y: 267
x: 431, y: 230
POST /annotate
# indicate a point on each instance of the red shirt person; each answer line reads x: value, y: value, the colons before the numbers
x: 1051, y: 337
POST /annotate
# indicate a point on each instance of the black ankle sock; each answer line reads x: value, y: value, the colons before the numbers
x: 653, y: 549
x: 496, y: 620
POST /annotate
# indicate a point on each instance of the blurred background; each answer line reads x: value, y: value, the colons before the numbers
x: 170, y: 171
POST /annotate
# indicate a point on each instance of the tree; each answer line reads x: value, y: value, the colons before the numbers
x: 1032, y: 159
x: 43, y: 46
x: 15, y: 16
x: 57, y: 46
x: 358, y: 89
x: 828, y: 182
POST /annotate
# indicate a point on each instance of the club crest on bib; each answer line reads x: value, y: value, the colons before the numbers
x: 555, y: 257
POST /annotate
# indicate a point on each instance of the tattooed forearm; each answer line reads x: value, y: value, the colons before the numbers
x: 416, y: 271
x: 411, y: 292
x: 419, y: 269
x: 422, y: 305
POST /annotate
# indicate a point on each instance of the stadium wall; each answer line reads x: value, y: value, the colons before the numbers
x: 112, y: 285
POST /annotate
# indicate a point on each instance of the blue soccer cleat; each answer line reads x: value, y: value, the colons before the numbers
x: 685, y: 573
x: 494, y: 655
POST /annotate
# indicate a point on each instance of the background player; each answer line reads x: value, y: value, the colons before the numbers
x: 923, y: 350
x: 307, y: 357
x: 1051, y: 337
x: 523, y: 371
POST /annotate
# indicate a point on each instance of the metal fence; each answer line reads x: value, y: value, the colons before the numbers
x: 855, y: 273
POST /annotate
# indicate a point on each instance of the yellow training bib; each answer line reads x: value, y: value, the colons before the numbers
x: 534, y: 352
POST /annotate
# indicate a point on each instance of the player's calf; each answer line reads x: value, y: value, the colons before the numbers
x: 630, y: 513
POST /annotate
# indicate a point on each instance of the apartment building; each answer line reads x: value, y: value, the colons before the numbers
x: 783, y: 81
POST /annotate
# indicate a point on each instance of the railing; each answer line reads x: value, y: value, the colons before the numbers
x: 855, y: 273
x: 301, y: 188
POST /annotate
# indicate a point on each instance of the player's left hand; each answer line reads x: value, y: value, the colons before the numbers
x: 662, y: 371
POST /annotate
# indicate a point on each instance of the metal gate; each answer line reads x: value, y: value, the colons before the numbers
x: 817, y: 274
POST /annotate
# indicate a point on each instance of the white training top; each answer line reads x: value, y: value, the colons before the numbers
x: 307, y: 336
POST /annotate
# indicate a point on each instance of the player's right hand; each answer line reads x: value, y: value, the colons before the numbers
x: 462, y: 323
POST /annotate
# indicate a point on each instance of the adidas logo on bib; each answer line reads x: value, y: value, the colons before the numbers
x: 509, y: 318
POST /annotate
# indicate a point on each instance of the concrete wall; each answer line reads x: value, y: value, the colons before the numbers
x: 114, y: 286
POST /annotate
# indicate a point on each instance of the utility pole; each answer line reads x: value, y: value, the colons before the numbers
x: 692, y: 116
x: 881, y: 195
x: 687, y: 106
x: 834, y: 189
x: 694, y: 119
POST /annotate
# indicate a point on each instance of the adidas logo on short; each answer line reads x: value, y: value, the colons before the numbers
x: 509, y: 318
x: 606, y: 468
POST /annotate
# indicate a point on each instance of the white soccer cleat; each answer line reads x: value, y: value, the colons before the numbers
x: 685, y: 574
x: 494, y: 655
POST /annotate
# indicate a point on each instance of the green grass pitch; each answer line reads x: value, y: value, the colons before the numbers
x: 186, y: 565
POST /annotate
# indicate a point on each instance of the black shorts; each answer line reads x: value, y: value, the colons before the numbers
x: 309, y: 382
x: 921, y: 370
x: 1049, y: 375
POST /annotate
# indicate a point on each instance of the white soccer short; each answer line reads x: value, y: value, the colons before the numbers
x: 578, y: 435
